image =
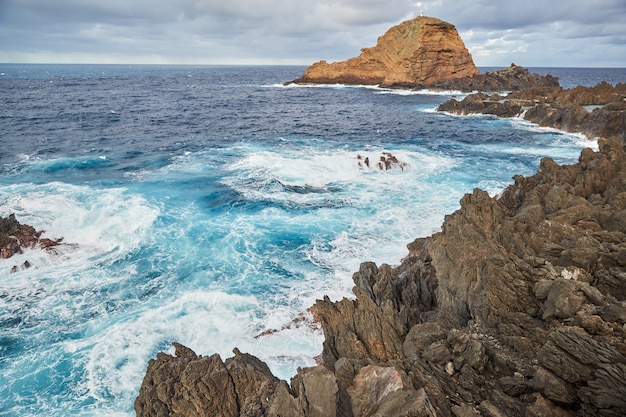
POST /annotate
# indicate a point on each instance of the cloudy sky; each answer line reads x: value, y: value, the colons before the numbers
x: 531, y: 33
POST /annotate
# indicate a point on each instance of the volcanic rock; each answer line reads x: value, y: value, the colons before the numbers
x: 14, y: 237
x: 516, y: 308
x: 513, y: 78
x: 415, y: 53
x: 598, y: 111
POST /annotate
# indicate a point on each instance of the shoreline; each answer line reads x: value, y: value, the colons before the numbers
x: 554, y: 107
x: 477, y: 318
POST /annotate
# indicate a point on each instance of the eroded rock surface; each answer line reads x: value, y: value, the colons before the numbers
x: 516, y: 308
x: 15, y: 237
x: 598, y: 111
x: 415, y: 53
x: 513, y: 78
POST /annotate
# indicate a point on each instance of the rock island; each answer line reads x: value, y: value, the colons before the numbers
x: 417, y: 52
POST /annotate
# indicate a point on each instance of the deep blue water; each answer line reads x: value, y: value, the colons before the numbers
x: 206, y: 205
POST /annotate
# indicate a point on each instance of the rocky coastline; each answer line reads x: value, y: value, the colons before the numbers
x: 598, y: 111
x: 516, y: 308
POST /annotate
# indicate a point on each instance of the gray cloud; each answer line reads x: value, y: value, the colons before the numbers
x: 528, y: 32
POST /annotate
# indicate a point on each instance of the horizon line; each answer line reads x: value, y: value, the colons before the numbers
x: 259, y: 65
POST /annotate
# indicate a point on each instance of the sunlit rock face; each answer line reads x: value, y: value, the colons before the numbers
x: 415, y: 53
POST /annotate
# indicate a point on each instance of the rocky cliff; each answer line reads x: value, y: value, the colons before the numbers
x: 415, y: 53
x: 516, y: 308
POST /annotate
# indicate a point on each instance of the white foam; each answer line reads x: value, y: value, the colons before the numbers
x: 578, y: 139
x: 358, y: 189
x: 378, y: 89
x: 206, y: 321
x: 315, y: 168
x: 91, y: 222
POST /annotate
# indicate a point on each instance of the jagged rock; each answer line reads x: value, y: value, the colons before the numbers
x: 517, y: 307
x: 14, y: 237
x: 479, y: 103
x: 317, y: 390
x: 192, y: 385
x: 606, y: 122
x: 372, y: 386
x: 553, y: 387
x: 385, y: 162
x: 551, y: 106
x: 546, y: 408
x: 414, y: 53
x: 600, y: 94
x: 359, y: 330
x: 568, y: 117
x: 513, y: 78
x: 388, y: 303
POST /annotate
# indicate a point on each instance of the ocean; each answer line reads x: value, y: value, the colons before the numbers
x: 212, y: 205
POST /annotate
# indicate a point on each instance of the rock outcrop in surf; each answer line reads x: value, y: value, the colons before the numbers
x: 516, y: 308
x: 386, y: 161
x: 15, y: 237
x: 598, y: 111
x: 513, y: 78
x: 415, y: 53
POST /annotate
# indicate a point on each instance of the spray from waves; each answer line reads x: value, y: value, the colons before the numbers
x: 377, y: 89
x: 366, y: 204
x: 564, y: 139
x: 93, y: 220
x: 424, y: 92
x: 337, y: 86
x: 115, y: 356
x: 207, y: 321
x: 63, y: 292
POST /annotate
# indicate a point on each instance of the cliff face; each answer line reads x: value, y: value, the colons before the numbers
x: 414, y: 53
x: 516, y: 308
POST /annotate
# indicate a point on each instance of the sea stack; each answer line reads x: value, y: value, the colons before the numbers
x: 416, y: 53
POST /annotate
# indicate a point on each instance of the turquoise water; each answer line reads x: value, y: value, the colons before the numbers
x: 207, y: 205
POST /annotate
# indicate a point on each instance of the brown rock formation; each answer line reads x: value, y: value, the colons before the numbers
x: 14, y: 237
x: 554, y: 107
x: 415, y: 53
x: 516, y: 308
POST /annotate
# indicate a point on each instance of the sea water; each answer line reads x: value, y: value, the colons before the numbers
x: 212, y: 206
